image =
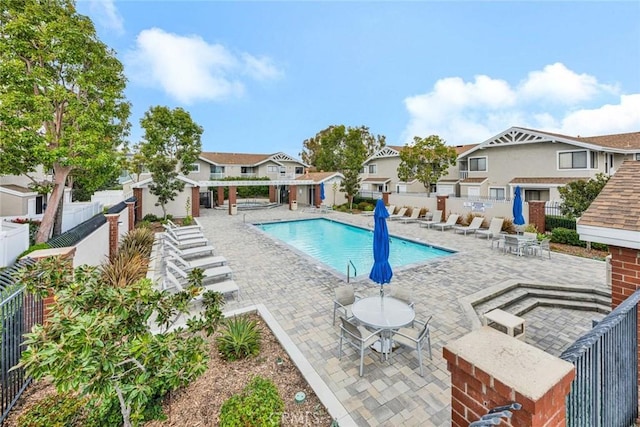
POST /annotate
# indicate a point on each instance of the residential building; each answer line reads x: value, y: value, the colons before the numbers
x: 215, y: 166
x: 17, y: 199
x: 540, y: 162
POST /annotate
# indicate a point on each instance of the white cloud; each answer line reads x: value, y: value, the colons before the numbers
x: 107, y: 15
x: 554, y: 99
x: 189, y: 69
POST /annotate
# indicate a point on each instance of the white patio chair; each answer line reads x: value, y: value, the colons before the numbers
x: 476, y: 222
x: 179, y: 232
x: 185, y: 242
x: 514, y: 245
x: 195, y: 252
x: 403, y: 294
x: 172, y: 282
x: 359, y: 338
x: 435, y: 219
x: 344, y: 297
x: 213, y: 274
x: 202, y: 263
x: 539, y: 247
x: 495, y: 227
x: 195, y: 226
x: 415, y: 212
x: 451, y: 221
x: 391, y: 209
x: 414, y: 338
x: 399, y: 215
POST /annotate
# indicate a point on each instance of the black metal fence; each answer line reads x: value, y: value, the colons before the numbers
x: 605, y: 390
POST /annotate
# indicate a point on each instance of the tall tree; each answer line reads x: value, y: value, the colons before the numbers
x: 354, y: 153
x: 325, y: 151
x: 577, y: 195
x: 426, y: 159
x: 171, y: 144
x: 62, y: 102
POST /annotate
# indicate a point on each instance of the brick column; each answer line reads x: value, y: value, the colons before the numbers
x: 293, y: 194
x: 112, y: 219
x: 489, y: 369
x: 195, y: 202
x: 441, y: 205
x: 64, y: 253
x: 537, y: 214
x: 131, y: 215
x: 232, y: 197
x: 385, y: 198
x: 220, y: 196
x: 317, y: 202
x: 272, y: 194
x: 137, y: 193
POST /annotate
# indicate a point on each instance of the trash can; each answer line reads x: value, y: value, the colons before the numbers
x: 234, y: 209
x: 294, y: 205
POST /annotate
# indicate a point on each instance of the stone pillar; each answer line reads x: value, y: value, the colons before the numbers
x: 489, y: 369
x: 272, y: 194
x: 293, y: 195
x: 220, y: 196
x: 441, y: 205
x: 112, y: 219
x: 537, y: 213
x: 195, y: 202
x: 385, y: 198
x: 137, y: 193
x: 232, y: 198
x: 317, y: 202
x: 131, y: 215
x: 64, y: 253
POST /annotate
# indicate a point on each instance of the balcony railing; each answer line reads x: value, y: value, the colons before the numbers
x: 217, y: 175
x: 464, y: 174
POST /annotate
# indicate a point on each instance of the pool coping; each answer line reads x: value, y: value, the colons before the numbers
x: 320, y: 388
x: 320, y: 265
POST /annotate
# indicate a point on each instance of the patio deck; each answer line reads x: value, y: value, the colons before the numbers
x: 299, y: 292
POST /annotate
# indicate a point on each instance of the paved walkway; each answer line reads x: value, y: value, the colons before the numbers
x: 298, y: 291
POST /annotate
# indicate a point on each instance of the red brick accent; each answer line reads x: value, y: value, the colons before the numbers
x: 220, y: 196
x: 317, y: 202
x: 131, y: 215
x: 195, y: 202
x: 474, y: 392
x: 137, y: 193
x: 272, y: 194
x: 537, y: 214
x: 293, y: 194
x: 442, y: 205
x: 112, y: 219
x: 385, y: 198
x: 232, y: 197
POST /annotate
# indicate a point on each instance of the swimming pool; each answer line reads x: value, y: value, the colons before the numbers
x: 335, y: 244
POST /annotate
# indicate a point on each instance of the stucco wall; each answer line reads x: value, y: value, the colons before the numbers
x: 94, y: 249
x: 177, y: 207
x: 11, y: 205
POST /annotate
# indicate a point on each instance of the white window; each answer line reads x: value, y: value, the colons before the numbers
x: 497, y: 193
x: 637, y: 156
x: 473, y: 192
x: 478, y: 164
x: 272, y: 169
x: 195, y: 167
x: 572, y: 159
x: 283, y: 171
x: 373, y: 168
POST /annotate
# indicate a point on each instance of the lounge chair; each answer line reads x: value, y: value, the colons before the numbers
x: 399, y: 215
x: 495, y: 227
x: 449, y: 223
x: 196, y: 226
x: 180, y: 232
x: 185, y: 242
x: 415, y: 212
x: 476, y: 222
x: 391, y: 209
x: 195, y: 252
x: 435, y: 219
x: 202, y: 263
x: 171, y: 281
x: 214, y: 274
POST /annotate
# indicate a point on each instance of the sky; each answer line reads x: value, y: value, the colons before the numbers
x: 263, y: 76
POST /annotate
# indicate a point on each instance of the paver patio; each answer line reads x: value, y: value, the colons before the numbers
x: 298, y: 291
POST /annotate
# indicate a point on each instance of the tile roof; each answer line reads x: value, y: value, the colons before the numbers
x: 235, y: 158
x: 315, y: 176
x: 618, y: 203
x: 398, y: 148
x: 546, y: 180
x: 372, y: 179
x: 464, y: 148
x: 473, y: 180
x: 18, y: 188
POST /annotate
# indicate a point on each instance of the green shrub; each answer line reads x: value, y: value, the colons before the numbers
x: 599, y: 246
x: 150, y: 218
x: 35, y: 247
x: 55, y: 411
x: 357, y: 200
x: 137, y: 241
x: 239, y: 338
x: 363, y: 205
x: 554, y: 221
x: 258, y: 405
x: 187, y: 220
x: 567, y: 237
x: 369, y: 208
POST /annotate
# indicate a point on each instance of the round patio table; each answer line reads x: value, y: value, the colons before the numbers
x: 386, y: 313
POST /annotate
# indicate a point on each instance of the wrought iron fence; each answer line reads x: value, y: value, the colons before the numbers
x: 19, y: 311
x: 605, y: 390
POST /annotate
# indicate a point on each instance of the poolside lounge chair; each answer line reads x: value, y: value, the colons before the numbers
x: 495, y: 226
x: 180, y: 232
x: 449, y: 223
x: 185, y: 242
x: 399, y: 215
x: 415, y: 212
x: 203, y: 263
x: 476, y: 222
x: 435, y: 219
x: 171, y: 281
x: 195, y: 252
x: 196, y: 226
x: 391, y: 209
x: 214, y: 274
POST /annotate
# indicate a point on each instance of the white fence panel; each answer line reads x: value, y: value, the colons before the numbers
x: 111, y: 197
x: 77, y: 213
x: 14, y: 239
x: 419, y: 200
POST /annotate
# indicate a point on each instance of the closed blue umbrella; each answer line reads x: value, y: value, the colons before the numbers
x: 381, y: 271
x: 322, y: 191
x: 518, y: 219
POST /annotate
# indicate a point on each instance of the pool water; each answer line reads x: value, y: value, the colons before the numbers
x: 335, y: 244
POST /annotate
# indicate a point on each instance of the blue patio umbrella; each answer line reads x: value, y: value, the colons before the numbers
x: 322, y: 191
x: 518, y: 219
x: 381, y: 271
